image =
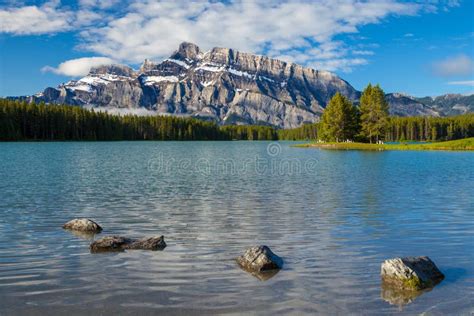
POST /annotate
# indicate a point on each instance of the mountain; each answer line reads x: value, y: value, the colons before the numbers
x: 450, y: 104
x: 405, y: 105
x: 222, y: 84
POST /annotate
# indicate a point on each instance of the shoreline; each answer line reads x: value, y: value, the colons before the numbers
x: 466, y: 144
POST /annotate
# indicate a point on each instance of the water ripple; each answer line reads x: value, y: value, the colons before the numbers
x: 333, y: 225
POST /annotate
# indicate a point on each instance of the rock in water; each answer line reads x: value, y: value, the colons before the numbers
x: 83, y: 225
x: 151, y: 243
x: 109, y: 243
x: 410, y: 273
x: 260, y: 259
x: 117, y: 243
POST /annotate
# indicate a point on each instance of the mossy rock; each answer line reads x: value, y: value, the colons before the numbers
x: 411, y: 273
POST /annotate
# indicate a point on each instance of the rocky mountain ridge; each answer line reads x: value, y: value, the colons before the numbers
x: 222, y: 84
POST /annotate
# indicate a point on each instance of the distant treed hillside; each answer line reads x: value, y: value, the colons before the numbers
x: 430, y: 129
x: 28, y: 121
x: 404, y: 128
x: 450, y: 104
x: 305, y: 132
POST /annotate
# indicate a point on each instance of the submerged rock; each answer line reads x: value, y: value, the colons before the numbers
x: 149, y: 243
x: 260, y: 259
x: 83, y: 225
x: 109, y: 243
x: 400, y: 297
x: 118, y: 243
x: 83, y: 235
x: 410, y: 273
x: 265, y: 275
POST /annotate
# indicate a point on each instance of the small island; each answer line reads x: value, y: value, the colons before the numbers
x: 460, y: 144
x: 346, y: 126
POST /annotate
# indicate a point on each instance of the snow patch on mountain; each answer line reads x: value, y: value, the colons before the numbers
x: 178, y: 62
x: 85, y: 88
x: 212, y: 67
x: 207, y: 83
x: 151, y: 80
x: 240, y: 73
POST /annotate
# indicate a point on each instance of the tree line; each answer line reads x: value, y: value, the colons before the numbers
x: 430, y: 128
x: 370, y: 122
x: 304, y: 132
x: 341, y: 121
x: 29, y: 121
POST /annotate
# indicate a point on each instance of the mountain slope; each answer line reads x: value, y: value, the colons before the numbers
x: 222, y: 84
x: 405, y: 105
x: 450, y: 104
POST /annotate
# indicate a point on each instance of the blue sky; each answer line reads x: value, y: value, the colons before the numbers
x: 415, y: 47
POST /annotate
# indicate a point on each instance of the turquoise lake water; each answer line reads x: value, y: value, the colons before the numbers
x: 333, y: 216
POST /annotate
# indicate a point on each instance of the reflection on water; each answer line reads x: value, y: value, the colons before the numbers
x: 84, y: 235
x: 399, y: 297
x: 262, y: 276
x: 333, y: 216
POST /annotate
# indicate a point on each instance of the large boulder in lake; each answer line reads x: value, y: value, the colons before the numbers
x: 260, y: 259
x: 410, y: 273
x: 83, y: 225
x: 118, y: 243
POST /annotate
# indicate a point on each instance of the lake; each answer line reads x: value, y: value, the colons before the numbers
x: 333, y: 216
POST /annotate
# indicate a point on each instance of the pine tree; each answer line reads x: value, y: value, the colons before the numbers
x: 373, y: 113
x: 339, y: 121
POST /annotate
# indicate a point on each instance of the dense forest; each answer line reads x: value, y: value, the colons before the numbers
x: 305, y: 132
x: 248, y: 132
x: 430, y: 128
x: 24, y: 121
x: 417, y: 128
x: 370, y: 122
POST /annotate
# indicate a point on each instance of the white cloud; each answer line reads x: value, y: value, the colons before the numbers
x: 469, y: 83
x: 302, y: 31
x: 26, y: 20
x: 344, y: 64
x: 78, y: 67
x: 460, y: 65
x: 87, y: 17
x: 102, y: 4
x: 363, y: 52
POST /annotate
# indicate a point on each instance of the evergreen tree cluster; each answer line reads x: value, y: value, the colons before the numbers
x: 340, y: 121
x: 28, y: 121
x: 248, y: 132
x: 305, y: 132
x: 23, y: 121
x: 373, y: 113
x: 430, y: 128
x: 416, y: 128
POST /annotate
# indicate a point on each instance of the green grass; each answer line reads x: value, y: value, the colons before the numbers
x: 460, y: 144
